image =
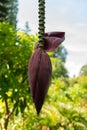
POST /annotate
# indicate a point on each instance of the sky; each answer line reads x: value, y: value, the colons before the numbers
x: 61, y: 15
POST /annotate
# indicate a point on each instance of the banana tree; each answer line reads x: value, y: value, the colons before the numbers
x: 40, y: 68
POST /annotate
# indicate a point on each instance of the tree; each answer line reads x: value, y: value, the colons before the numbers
x: 3, y: 9
x: 8, y: 11
x: 58, y: 68
x: 58, y: 61
x: 60, y: 53
x: 27, y: 28
x: 83, y: 70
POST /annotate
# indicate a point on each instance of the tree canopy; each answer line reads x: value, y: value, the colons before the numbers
x: 8, y: 11
x: 83, y: 70
x: 61, y: 53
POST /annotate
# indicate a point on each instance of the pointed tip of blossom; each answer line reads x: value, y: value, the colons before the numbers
x: 38, y: 109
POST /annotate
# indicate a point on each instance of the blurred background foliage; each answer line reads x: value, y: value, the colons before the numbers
x: 65, y: 107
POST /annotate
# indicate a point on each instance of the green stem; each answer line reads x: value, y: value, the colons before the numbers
x: 41, y: 22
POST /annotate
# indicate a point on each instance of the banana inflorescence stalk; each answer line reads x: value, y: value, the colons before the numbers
x: 41, y: 22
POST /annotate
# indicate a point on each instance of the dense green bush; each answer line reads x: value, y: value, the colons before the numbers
x: 65, y: 107
x: 15, y: 50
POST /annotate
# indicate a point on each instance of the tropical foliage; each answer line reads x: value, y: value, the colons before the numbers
x: 65, y: 107
x: 15, y: 51
x: 8, y: 11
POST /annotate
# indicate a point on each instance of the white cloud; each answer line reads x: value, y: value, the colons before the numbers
x: 73, y: 68
x: 75, y: 61
x: 76, y: 38
x: 28, y: 11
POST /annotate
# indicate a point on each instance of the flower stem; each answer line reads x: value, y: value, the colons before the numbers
x: 41, y: 22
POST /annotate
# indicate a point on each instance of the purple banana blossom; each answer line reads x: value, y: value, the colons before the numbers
x: 40, y: 68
